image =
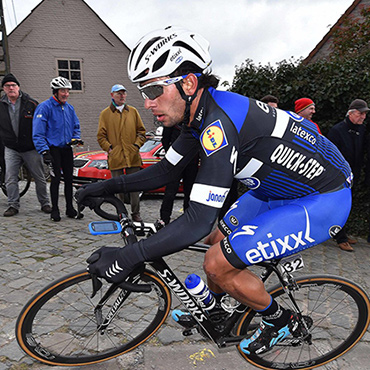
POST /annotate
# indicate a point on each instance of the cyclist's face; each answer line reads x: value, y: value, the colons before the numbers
x: 168, y: 108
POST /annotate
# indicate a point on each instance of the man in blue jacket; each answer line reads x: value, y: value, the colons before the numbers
x: 55, y: 125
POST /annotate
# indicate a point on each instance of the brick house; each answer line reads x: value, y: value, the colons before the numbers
x: 68, y: 38
x: 322, y: 49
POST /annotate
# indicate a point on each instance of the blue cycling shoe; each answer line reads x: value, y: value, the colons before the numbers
x: 183, y: 318
x: 267, y: 335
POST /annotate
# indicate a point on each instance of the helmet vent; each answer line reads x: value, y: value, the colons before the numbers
x: 146, y: 48
x: 186, y: 46
x: 160, y: 62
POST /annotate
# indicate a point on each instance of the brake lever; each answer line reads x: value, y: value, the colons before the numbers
x: 96, y: 285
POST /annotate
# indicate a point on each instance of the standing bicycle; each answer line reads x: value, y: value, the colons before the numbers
x: 82, y: 320
x: 296, y: 179
x: 16, y: 115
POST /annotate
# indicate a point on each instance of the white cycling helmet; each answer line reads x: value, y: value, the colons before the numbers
x: 60, y: 83
x: 161, y: 52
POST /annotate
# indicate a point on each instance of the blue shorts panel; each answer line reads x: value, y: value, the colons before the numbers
x: 260, y: 230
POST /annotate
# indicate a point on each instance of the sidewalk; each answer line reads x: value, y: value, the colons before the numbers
x: 34, y: 251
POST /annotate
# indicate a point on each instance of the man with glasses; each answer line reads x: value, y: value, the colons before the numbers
x: 295, y: 175
x: 121, y: 133
x: 349, y: 137
x: 16, y: 113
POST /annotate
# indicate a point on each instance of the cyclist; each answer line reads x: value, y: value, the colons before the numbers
x: 296, y: 179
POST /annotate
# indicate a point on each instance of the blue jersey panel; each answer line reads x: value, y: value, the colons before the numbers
x: 234, y: 105
x: 261, y: 230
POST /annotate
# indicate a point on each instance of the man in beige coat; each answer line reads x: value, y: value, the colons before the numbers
x: 121, y: 133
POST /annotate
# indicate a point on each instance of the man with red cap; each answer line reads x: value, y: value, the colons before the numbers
x: 305, y: 107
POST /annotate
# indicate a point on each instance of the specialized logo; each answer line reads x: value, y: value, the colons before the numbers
x: 296, y: 162
x: 213, y: 138
x: 251, y: 182
x: 233, y: 220
x: 278, y: 247
x: 158, y: 46
x: 302, y: 133
x: 334, y: 230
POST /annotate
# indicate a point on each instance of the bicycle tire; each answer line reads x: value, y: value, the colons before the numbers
x: 58, y: 325
x: 339, y: 309
x: 24, y: 181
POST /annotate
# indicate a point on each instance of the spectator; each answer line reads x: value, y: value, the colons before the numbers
x: 55, y: 125
x: 170, y: 134
x: 16, y: 112
x: 271, y: 100
x: 349, y: 136
x: 121, y: 133
x: 305, y: 108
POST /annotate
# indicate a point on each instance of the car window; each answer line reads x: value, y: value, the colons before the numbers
x: 149, y: 145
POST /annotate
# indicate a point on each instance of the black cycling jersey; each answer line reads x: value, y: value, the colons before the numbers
x: 278, y: 154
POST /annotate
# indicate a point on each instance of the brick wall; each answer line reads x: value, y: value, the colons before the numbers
x: 70, y: 29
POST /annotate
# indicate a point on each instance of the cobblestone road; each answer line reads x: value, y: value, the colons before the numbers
x: 34, y: 250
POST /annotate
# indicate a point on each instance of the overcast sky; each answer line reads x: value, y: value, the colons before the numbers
x: 266, y: 31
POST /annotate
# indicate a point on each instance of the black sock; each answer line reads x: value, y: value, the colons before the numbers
x: 275, y: 314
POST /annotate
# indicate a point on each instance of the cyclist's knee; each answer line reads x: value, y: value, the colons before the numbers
x: 215, y: 264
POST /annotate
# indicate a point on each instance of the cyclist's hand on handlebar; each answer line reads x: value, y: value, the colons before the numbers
x: 96, y: 189
x: 108, y: 263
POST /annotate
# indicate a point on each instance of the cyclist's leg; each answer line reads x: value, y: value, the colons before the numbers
x: 13, y: 161
x: 288, y: 227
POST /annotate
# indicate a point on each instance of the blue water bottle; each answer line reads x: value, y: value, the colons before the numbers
x: 198, y: 289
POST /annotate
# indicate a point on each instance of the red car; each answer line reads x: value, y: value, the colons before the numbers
x: 92, y: 166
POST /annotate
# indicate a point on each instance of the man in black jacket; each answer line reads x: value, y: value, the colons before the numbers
x: 16, y: 113
x: 170, y: 134
x: 349, y: 136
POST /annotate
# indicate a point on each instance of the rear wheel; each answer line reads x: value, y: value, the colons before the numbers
x: 336, y: 311
x: 58, y: 326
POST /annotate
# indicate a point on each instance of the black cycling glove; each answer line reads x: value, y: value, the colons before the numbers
x: 109, y: 263
x: 98, y: 189
x: 48, y: 159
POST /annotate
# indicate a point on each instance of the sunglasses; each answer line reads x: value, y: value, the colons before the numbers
x: 154, y: 89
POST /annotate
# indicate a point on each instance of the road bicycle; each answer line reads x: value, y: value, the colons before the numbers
x: 24, y: 180
x: 81, y: 320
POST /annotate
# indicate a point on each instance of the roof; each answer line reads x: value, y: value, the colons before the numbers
x: 326, y: 38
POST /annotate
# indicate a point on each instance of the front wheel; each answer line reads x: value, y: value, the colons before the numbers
x: 336, y: 311
x: 60, y: 326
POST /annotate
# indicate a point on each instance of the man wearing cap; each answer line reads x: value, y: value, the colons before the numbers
x: 305, y: 108
x: 349, y: 136
x: 121, y: 133
x: 16, y: 112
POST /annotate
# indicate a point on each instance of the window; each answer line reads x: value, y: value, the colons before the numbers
x: 71, y: 69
